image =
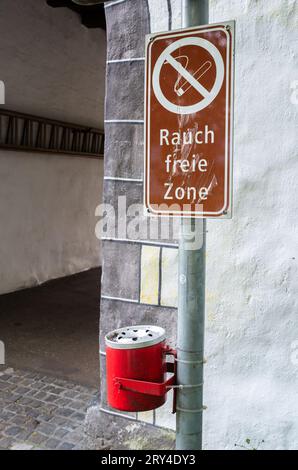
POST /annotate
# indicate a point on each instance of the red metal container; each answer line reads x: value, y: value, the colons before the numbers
x: 136, y: 368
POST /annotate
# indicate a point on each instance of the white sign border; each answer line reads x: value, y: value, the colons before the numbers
x: 225, y: 212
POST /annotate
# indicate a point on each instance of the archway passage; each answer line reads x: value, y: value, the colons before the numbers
x: 51, y: 168
x: 53, y: 328
x: 51, y: 171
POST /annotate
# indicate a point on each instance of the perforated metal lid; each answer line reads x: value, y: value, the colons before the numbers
x: 134, y: 337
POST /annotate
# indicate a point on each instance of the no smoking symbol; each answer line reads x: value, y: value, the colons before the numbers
x: 167, y: 57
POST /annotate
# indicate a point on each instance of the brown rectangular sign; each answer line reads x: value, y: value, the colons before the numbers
x: 189, y: 121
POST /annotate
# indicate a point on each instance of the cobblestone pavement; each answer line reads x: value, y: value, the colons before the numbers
x: 41, y: 412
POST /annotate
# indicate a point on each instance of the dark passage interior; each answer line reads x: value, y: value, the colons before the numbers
x: 53, y: 328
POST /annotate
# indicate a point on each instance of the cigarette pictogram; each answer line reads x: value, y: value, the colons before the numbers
x: 197, y: 74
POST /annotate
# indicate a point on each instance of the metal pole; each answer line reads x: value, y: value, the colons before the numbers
x: 191, y: 309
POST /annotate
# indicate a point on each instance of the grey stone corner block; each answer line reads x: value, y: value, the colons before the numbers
x: 127, y: 25
x: 121, y: 270
x: 125, y: 91
x: 133, y: 192
x: 124, y: 150
x: 105, y: 431
x: 126, y: 199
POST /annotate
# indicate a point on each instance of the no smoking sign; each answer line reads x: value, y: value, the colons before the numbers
x: 188, y: 121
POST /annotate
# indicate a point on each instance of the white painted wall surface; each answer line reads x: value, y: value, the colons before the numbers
x: 47, y: 207
x: 251, y: 378
x: 52, y: 66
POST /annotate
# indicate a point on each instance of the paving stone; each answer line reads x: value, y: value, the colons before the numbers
x: 79, y: 388
x: 44, y: 417
x: 36, y: 403
x: 41, y: 395
x: 10, y: 397
x: 31, y: 375
x: 66, y: 446
x: 74, y: 437
x: 58, y: 420
x: 22, y: 390
x: 26, y: 383
x: 11, y: 388
x: 39, y: 376
x: 15, y: 397
x: 31, y: 412
x: 19, y: 420
x: 62, y: 402
x: 3, y: 426
x: 72, y: 425
x: 40, y: 412
x: 46, y: 428
x: 52, y: 398
x: 78, y: 416
x: 6, y: 415
x: 48, y: 408
x: 52, y: 443
x: 38, y: 385
x: 6, y: 442
x: 14, y: 431
x: 37, y: 438
x: 13, y: 407
x: 64, y: 412
x: 24, y: 434
x: 52, y: 389
x: 26, y: 401
x: 78, y: 405
x: 61, y: 383
x: 5, y: 377
x: 84, y: 397
x: 60, y: 433
x: 14, y: 380
x: 70, y: 394
x: 3, y: 385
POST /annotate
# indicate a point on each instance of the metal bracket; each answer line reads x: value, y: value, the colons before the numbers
x: 196, y: 410
x: 141, y: 386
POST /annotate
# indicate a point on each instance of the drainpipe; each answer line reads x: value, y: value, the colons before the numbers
x: 191, y: 308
